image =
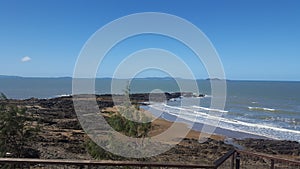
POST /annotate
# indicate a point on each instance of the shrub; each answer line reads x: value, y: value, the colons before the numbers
x: 15, y: 131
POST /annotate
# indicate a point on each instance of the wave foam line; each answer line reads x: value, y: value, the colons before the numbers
x: 206, y: 116
x: 261, y: 108
x: 209, y: 109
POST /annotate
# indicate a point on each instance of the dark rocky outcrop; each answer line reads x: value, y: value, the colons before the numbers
x: 273, y: 147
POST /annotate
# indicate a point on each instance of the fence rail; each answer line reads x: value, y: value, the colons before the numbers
x: 234, y: 159
x: 279, y: 159
x: 246, y: 159
x: 224, y: 158
x: 89, y: 163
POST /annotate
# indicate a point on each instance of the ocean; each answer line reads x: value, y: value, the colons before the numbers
x: 265, y: 108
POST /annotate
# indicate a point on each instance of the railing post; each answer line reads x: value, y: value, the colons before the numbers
x: 272, y: 164
x: 237, y: 161
x: 232, y: 161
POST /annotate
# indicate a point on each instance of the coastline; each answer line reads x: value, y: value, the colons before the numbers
x: 61, y: 132
x: 197, y: 127
x: 163, y: 125
x: 141, y: 99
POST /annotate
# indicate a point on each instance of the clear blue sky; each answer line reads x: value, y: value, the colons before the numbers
x: 255, y: 39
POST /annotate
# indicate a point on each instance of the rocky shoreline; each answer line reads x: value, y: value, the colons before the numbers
x: 61, y: 135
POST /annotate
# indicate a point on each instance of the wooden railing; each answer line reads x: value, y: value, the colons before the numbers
x: 273, y: 160
x: 232, y: 159
x: 224, y: 158
x: 24, y: 163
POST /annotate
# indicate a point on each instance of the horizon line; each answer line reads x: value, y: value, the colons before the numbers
x: 149, y: 77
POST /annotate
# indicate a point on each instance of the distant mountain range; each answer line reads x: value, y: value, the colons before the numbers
x: 143, y: 78
x: 4, y: 76
x: 7, y: 77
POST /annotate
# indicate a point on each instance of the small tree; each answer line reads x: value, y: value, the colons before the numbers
x: 131, y: 112
x: 14, y: 132
x: 126, y: 122
x: 2, y: 96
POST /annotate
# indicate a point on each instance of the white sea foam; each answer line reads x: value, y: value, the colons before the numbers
x: 209, y: 109
x: 61, y: 95
x: 261, y: 108
x: 174, y: 99
x: 265, y: 130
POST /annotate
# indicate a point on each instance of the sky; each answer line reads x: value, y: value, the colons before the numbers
x: 255, y: 39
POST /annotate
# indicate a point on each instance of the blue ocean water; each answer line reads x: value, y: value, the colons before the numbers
x: 265, y: 108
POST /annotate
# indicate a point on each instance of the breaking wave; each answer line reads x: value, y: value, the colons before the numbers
x: 194, y: 114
